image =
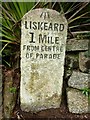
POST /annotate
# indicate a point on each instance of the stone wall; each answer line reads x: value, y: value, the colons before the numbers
x: 77, y: 65
x: 76, y: 79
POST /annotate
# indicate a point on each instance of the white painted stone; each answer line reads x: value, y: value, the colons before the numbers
x: 41, y: 76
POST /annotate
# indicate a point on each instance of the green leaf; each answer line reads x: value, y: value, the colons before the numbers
x: 6, y: 41
x: 3, y: 48
x: 7, y: 63
x: 13, y: 89
x: 86, y: 91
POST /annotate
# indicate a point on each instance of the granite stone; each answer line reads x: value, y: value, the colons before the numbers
x: 78, y: 80
x: 77, y: 102
x: 43, y: 42
x: 77, y: 45
x: 83, y: 60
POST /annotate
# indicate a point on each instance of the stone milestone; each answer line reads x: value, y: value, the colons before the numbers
x: 43, y: 42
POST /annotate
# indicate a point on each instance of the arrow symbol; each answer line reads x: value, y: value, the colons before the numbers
x: 44, y: 15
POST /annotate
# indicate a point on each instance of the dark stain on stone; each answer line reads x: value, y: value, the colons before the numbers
x: 36, y: 81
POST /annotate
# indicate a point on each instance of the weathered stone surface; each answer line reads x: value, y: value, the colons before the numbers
x: 71, y: 62
x: 78, y: 80
x: 68, y: 67
x: 42, y: 66
x: 75, y: 60
x: 77, y: 45
x: 1, y: 114
x: 9, y: 96
x: 83, y: 60
x: 77, y: 102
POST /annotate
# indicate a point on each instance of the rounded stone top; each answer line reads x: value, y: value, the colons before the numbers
x: 45, y: 14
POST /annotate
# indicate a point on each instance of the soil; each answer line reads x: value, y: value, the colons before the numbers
x: 61, y: 113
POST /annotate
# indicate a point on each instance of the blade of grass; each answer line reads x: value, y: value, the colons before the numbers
x: 18, y: 9
x: 8, y: 37
x: 22, y: 8
x: 35, y: 5
x: 8, y: 14
x: 79, y: 25
x: 7, y: 41
x: 3, y: 48
x: 77, y: 32
x: 8, y: 33
x: 54, y: 4
x: 7, y: 63
x: 29, y: 5
x: 72, y: 8
x: 69, y: 21
x: 83, y: 6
